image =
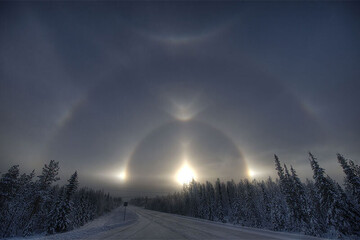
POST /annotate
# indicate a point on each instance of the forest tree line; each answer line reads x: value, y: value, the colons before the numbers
x: 30, y: 205
x: 318, y: 207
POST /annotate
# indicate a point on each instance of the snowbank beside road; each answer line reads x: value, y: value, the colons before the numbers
x: 104, y: 223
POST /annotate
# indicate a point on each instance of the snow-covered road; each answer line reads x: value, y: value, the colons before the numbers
x: 157, y: 225
x: 146, y: 224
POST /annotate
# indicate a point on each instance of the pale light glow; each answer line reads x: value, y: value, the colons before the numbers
x: 183, y: 113
x: 122, y: 176
x: 185, y: 175
x: 185, y: 110
x: 251, y: 173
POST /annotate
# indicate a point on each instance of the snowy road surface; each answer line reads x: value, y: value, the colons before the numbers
x: 146, y: 224
x: 157, y: 225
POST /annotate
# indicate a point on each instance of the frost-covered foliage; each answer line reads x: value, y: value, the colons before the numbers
x: 29, y: 206
x: 319, y: 207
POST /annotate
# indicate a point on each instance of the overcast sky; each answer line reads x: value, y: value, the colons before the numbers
x: 106, y: 88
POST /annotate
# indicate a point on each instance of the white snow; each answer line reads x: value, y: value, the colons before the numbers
x: 114, y: 219
x: 146, y: 224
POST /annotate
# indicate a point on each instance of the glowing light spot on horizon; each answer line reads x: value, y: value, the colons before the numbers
x: 122, y: 176
x: 185, y: 175
x: 251, y: 173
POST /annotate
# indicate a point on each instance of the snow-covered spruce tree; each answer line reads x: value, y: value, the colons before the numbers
x: 259, y: 204
x: 240, y: 199
x: 296, y: 201
x: 317, y: 222
x: 356, y: 168
x: 294, y: 223
x: 194, y: 198
x: 36, y: 215
x: 219, y: 201
x: 19, y: 204
x: 62, y: 220
x: 210, y: 196
x: 265, y: 206
x: 82, y: 207
x: 9, y: 185
x: 333, y: 209
x: 287, y: 192
x: 56, y: 212
x: 278, y: 210
x: 203, y: 208
x: 353, y: 214
x: 300, y: 202
x: 18, y: 192
x: 352, y: 179
x: 186, y: 197
x: 280, y: 172
x: 225, y: 201
x: 278, y: 213
x: 231, y: 194
x: 252, y: 217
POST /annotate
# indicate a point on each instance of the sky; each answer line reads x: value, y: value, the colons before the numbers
x: 131, y: 94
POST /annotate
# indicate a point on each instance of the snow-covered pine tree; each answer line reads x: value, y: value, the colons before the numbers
x: 203, y: 208
x: 81, y: 209
x: 330, y: 200
x: 16, y: 208
x: 352, y: 179
x: 56, y: 213
x: 9, y: 185
x: 266, y: 206
x: 280, y: 172
x: 210, y: 196
x: 287, y: 190
x: 240, y: 203
x: 194, y: 198
x: 186, y: 197
x: 71, y: 186
x: 35, y: 218
x: 219, y: 201
x: 317, y: 222
x: 356, y: 168
x: 351, y: 214
x: 278, y: 206
x: 290, y: 197
x: 300, y: 203
x: 21, y: 202
x: 252, y: 216
x: 62, y: 221
x: 225, y: 201
x: 230, y: 192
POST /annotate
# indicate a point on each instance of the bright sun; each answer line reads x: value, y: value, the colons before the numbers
x: 251, y: 173
x: 185, y: 175
x: 122, y: 175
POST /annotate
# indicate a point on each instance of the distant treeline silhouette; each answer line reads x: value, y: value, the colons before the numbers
x: 318, y: 207
x: 29, y: 206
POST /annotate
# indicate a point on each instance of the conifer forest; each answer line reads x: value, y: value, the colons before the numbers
x: 318, y: 207
x: 32, y: 205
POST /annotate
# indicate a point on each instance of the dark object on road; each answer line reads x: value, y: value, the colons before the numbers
x: 125, y: 204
